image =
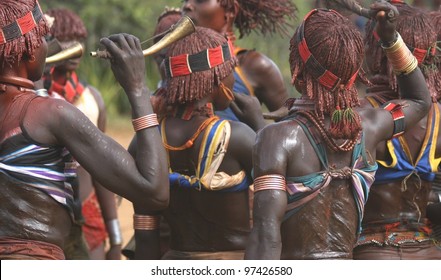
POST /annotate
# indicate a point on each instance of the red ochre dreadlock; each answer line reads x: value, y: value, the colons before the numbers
x: 195, y: 86
x: 417, y: 30
x: 13, y: 51
x: 165, y: 20
x: 338, y: 47
x: 67, y: 25
x: 266, y: 16
x: 436, y: 21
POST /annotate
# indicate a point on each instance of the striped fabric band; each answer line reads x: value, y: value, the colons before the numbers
x: 185, y: 64
x: 398, y: 116
x: 325, y: 77
x: 22, y: 25
x: 270, y: 182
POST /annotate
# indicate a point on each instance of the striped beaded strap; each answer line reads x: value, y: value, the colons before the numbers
x: 270, y: 182
x: 400, y: 57
x: 397, y: 113
x: 325, y: 77
x: 145, y: 222
x: 22, y: 25
x: 185, y: 64
x: 145, y: 122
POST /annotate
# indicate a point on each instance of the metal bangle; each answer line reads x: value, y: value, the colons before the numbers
x: 114, y: 230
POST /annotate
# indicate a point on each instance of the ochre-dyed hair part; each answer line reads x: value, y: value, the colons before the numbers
x: 268, y: 17
x: 67, y: 25
x: 417, y: 30
x: 13, y: 50
x: 165, y: 20
x: 329, y: 36
x: 192, y: 87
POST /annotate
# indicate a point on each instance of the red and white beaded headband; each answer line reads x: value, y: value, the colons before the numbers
x: 325, y: 77
x: 22, y: 25
x: 185, y: 64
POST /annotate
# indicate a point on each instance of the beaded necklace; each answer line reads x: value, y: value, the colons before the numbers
x: 347, y: 145
x: 186, y: 113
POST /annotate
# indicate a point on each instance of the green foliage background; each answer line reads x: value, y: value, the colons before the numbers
x: 138, y: 17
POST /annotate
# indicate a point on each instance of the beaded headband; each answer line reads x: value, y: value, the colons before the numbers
x: 185, y: 64
x: 325, y: 77
x: 22, y: 25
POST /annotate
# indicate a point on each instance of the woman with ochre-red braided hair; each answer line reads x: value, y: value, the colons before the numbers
x: 395, y: 224
x: 313, y: 170
x: 256, y: 74
x: 40, y: 135
x: 209, y: 158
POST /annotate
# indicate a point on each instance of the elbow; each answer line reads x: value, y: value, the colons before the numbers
x: 154, y: 197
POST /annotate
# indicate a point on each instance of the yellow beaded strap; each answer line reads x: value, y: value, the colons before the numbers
x: 270, y: 182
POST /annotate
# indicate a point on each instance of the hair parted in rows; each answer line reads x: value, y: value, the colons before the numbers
x: 165, y: 20
x: 268, y: 17
x: 195, y: 86
x: 13, y: 51
x: 417, y: 30
x: 338, y: 46
x: 436, y: 21
x: 68, y: 26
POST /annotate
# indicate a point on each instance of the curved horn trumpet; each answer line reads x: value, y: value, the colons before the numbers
x: 74, y: 51
x: 181, y: 29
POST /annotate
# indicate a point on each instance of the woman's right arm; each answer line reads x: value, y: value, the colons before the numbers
x: 142, y: 180
x: 415, y: 97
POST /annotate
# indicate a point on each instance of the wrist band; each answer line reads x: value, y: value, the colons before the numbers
x: 400, y: 57
x: 115, y: 236
x: 145, y: 122
x: 145, y: 222
x: 270, y: 182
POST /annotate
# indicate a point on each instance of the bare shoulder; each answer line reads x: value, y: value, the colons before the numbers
x: 97, y: 95
x: 240, y: 132
x: 279, y: 130
x: 46, y: 118
x: 256, y: 62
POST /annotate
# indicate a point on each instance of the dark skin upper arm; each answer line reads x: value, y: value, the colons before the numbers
x: 60, y: 123
x: 378, y: 123
x: 241, y: 144
x: 102, y: 118
x: 269, y: 157
x: 265, y: 78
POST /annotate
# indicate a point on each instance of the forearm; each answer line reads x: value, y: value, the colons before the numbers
x: 413, y: 87
x: 107, y: 202
x: 147, y: 234
x: 151, y: 156
x: 263, y: 245
x: 147, y: 245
